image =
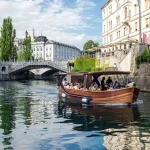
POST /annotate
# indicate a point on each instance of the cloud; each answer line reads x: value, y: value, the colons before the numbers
x: 98, y: 20
x: 54, y: 18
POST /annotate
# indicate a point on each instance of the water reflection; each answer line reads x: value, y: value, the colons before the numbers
x: 121, y: 127
x: 7, y: 112
x: 32, y: 117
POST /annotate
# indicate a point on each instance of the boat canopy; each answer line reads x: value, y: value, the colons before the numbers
x: 94, y: 73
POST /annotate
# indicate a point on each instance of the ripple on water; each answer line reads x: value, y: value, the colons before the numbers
x: 32, y: 117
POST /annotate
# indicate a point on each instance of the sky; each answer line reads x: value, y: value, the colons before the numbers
x: 72, y: 22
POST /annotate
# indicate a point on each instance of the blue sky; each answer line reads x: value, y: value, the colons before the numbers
x: 68, y: 21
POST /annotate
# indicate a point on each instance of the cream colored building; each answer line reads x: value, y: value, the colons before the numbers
x: 120, y: 23
x: 44, y: 49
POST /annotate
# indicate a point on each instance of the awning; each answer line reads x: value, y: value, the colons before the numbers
x: 94, y: 73
x: 112, y: 44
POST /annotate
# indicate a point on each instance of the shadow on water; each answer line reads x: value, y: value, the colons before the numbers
x: 98, y: 117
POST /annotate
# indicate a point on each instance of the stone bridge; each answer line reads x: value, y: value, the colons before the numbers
x: 10, y: 70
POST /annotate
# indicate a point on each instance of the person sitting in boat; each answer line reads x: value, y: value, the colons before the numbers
x: 67, y: 86
x: 92, y: 87
x: 71, y: 86
x: 110, y: 87
x: 103, y: 83
x: 99, y: 88
x: 64, y: 82
x: 129, y: 80
x: 109, y: 81
x: 76, y: 86
x: 116, y: 86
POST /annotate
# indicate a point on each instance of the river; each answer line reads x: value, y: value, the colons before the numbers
x: 32, y: 117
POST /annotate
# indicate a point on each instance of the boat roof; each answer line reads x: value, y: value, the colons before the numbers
x: 95, y: 73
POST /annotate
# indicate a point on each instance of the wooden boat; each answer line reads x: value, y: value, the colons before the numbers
x: 124, y: 95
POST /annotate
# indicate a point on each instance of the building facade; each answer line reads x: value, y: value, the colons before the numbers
x: 44, y: 49
x: 120, y: 23
x: 18, y: 43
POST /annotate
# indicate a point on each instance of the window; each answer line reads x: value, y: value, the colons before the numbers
x: 129, y: 29
x: 147, y: 22
x: 111, y: 38
x: 147, y: 4
x: 104, y: 13
x: 125, y: 31
x: 135, y: 9
x: 124, y: 46
x: 110, y: 10
x: 110, y: 24
x: 117, y: 3
x: 130, y: 46
x: 129, y: 13
x: 104, y: 40
x: 118, y: 34
x: 117, y: 20
x: 136, y: 26
x: 125, y: 11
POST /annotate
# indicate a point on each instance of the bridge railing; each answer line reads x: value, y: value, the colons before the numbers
x: 14, y: 66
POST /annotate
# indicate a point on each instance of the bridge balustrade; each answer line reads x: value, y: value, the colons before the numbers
x: 15, y: 66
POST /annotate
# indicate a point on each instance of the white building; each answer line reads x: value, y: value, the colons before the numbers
x: 18, y: 43
x: 44, y: 49
x: 120, y: 23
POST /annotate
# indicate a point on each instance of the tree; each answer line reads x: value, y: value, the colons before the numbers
x: 14, y: 48
x: 21, y: 56
x: 89, y: 44
x: 27, y: 51
x: 8, y: 35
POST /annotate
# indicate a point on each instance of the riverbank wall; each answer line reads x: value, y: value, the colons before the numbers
x: 142, y: 77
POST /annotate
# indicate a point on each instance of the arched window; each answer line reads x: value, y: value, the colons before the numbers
x: 135, y: 9
x: 125, y: 11
x: 125, y: 31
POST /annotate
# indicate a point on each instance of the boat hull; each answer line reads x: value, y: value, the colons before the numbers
x: 125, y: 95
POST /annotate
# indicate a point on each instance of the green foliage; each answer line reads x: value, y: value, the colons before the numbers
x: 14, y: 56
x: 8, y: 35
x: 89, y: 44
x: 144, y: 57
x: 84, y: 64
x: 21, y: 56
x: 26, y: 54
x: 27, y: 47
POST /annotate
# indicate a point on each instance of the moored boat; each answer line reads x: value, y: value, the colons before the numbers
x: 125, y: 95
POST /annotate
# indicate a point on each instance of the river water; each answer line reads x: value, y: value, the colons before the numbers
x: 32, y: 117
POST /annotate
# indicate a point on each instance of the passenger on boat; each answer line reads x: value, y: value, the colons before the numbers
x: 109, y: 81
x: 64, y: 82
x: 99, y: 88
x: 116, y: 86
x: 71, y: 86
x: 129, y: 80
x: 76, y: 86
x: 93, y: 87
x: 92, y: 84
x: 110, y: 87
x: 103, y: 83
x: 67, y: 86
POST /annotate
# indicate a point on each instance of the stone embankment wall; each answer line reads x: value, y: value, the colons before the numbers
x: 142, y: 77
